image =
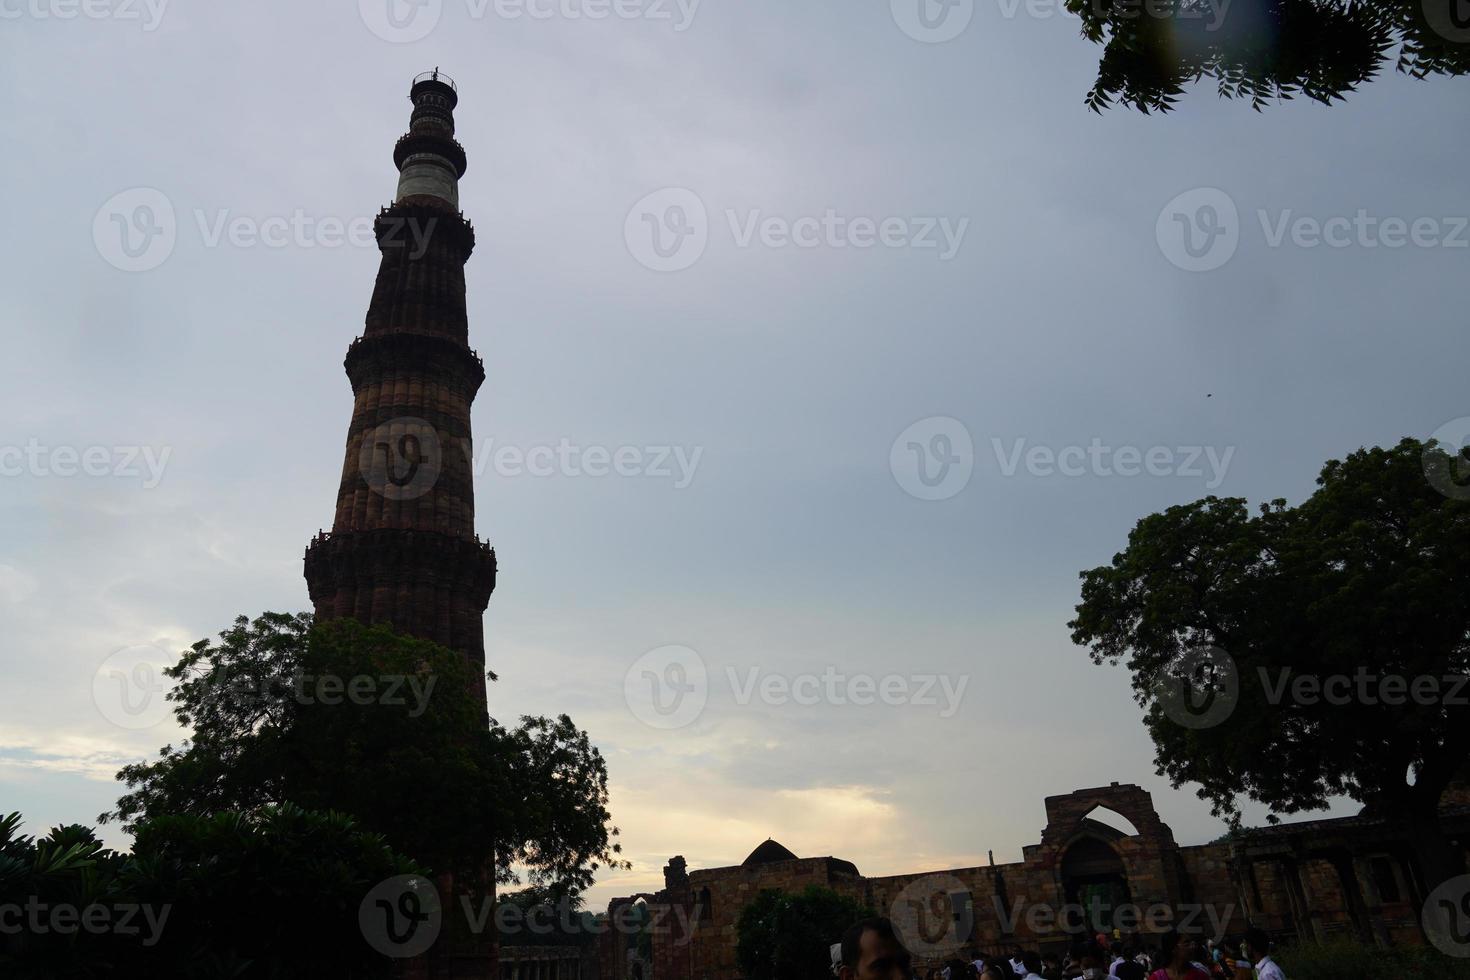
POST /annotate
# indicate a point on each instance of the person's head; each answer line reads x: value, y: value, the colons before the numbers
x: 994, y: 970
x: 1257, y: 944
x: 1031, y: 960
x: 1175, y: 950
x: 872, y: 951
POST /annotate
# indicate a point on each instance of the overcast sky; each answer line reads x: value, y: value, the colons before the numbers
x: 981, y: 263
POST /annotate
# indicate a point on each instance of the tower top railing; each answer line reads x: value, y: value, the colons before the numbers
x: 435, y: 76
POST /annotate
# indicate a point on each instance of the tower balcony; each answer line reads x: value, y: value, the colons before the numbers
x: 435, y: 76
x: 446, y: 147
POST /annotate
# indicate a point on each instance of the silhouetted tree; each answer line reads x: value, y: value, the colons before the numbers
x: 1265, y: 50
x: 264, y: 896
x: 789, y: 936
x: 1369, y: 577
x: 360, y: 719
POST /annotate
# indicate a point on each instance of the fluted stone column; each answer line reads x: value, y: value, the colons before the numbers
x: 402, y: 549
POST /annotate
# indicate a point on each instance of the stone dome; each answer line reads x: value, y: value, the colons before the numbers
x: 768, y: 853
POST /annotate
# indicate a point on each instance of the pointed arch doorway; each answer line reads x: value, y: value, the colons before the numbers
x: 1095, y: 878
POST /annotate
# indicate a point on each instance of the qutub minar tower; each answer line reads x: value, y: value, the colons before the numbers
x: 402, y: 549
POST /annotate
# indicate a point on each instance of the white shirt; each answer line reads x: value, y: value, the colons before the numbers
x: 1113, y: 970
x: 1266, y: 969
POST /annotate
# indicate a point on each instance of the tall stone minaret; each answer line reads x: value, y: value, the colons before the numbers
x: 403, y: 549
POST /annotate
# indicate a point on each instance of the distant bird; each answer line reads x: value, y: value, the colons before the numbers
x: 1210, y: 395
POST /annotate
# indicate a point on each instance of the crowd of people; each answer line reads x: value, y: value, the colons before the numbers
x: 871, y: 950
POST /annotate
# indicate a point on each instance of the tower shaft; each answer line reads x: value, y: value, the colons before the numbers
x: 402, y: 549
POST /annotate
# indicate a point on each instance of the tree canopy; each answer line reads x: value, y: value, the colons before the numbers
x: 1265, y: 50
x: 1334, y: 638
x: 360, y: 719
x: 271, y: 894
x: 789, y: 936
